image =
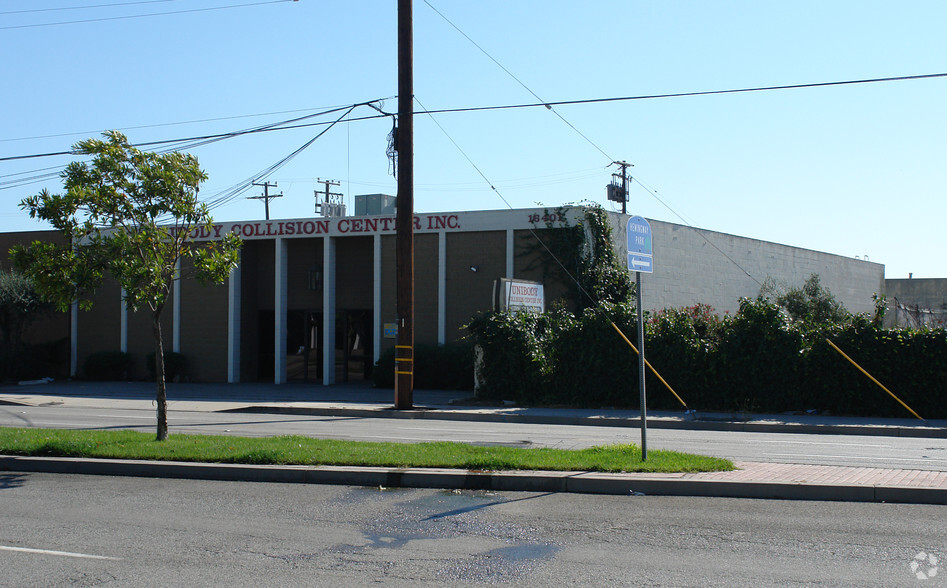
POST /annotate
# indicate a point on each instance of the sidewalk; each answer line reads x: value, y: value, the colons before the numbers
x: 751, y: 480
x: 364, y: 401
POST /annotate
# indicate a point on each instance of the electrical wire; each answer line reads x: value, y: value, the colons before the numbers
x: 543, y: 104
x: 596, y: 304
x: 690, y: 94
x: 62, y: 8
x: 651, y: 191
x: 518, y: 81
x: 232, y: 193
x: 197, y: 141
x: 508, y: 205
x: 127, y: 17
x: 185, y: 122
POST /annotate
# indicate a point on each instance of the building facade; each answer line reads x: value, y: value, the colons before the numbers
x: 314, y: 299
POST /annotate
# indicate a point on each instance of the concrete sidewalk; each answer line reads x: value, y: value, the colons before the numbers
x: 362, y: 400
x: 750, y: 480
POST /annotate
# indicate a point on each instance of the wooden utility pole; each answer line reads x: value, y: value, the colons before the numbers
x: 266, y: 196
x: 326, y: 208
x: 624, y: 165
x: 404, y: 237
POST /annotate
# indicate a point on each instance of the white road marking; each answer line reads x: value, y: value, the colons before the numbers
x: 875, y: 457
x: 59, y: 553
x: 778, y: 442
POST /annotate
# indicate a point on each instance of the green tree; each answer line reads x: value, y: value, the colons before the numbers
x: 813, y: 303
x: 130, y: 214
x: 20, y: 304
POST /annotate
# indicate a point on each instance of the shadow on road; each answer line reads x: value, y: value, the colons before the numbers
x: 8, y: 480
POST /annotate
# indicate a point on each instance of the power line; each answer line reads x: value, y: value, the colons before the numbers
x: 33, y: 10
x: 177, y: 123
x: 687, y: 94
x: 200, y: 140
x: 227, y: 196
x: 127, y: 17
x: 285, y: 126
x: 519, y: 81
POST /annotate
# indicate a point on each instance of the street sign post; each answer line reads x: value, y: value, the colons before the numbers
x: 640, y: 259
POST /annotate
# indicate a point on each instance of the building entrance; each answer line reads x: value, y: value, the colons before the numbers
x: 352, y: 345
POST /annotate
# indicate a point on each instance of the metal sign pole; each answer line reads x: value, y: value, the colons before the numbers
x: 641, y: 373
x: 640, y: 259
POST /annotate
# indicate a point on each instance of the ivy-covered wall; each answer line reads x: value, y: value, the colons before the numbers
x: 771, y: 355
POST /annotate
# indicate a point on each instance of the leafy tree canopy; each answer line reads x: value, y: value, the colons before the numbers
x: 129, y: 214
x: 812, y: 303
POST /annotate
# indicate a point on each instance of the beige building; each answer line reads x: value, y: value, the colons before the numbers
x: 313, y: 299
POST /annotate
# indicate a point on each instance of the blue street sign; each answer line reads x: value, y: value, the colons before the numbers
x: 639, y: 236
x: 640, y: 257
x: 639, y: 263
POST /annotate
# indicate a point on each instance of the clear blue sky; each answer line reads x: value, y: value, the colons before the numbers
x: 855, y: 170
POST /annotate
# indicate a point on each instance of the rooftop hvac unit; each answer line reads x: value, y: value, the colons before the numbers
x: 374, y: 204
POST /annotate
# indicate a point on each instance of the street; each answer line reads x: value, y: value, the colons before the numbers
x: 842, y: 450
x: 60, y: 530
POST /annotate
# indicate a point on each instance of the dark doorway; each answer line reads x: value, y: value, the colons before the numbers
x: 353, y: 346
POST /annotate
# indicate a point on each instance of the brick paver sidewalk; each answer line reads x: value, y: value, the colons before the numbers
x: 821, y: 474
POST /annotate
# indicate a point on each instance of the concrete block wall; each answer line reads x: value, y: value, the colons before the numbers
x: 705, y: 267
x: 914, y: 301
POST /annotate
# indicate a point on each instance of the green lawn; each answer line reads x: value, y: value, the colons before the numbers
x: 308, y: 451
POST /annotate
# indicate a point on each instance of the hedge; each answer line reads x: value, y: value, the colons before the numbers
x: 759, y: 360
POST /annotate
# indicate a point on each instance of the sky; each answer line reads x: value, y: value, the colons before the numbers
x: 857, y: 169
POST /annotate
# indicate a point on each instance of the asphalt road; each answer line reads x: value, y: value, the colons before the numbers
x: 68, y: 530
x: 843, y: 450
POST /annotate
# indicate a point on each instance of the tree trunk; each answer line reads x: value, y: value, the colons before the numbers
x: 162, y: 397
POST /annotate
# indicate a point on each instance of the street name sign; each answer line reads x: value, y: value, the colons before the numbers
x: 640, y: 253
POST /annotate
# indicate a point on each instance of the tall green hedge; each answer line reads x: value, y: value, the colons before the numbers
x: 759, y: 360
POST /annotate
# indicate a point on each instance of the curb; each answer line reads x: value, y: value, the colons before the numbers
x: 601, y: 421
x: 514, y: 481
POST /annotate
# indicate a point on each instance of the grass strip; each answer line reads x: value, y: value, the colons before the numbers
x: 300, y: 450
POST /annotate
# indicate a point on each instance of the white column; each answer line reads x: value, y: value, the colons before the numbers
x: 123, y: 322
x: 74, y: 340
x: 176, y: 309
x: 233, y: 323
x: 441, y: 288
x: 376, y: 299
x: 509, y: 253
x: 328, y: 311
x: 279, y: 307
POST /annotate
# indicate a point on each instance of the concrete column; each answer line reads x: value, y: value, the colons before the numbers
x: 233, y: 323
x: 123, y: 322
x: 328, y: 311
x: 279, y: 306
x: 176, y: 309
x: 509, y: 253
x: 376, y: 299
x: 441, y: 288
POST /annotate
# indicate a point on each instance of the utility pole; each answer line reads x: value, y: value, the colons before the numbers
x: 404, y: 231
x: 266, y: 196
x: 326, y: 207
x: 624, y: 165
